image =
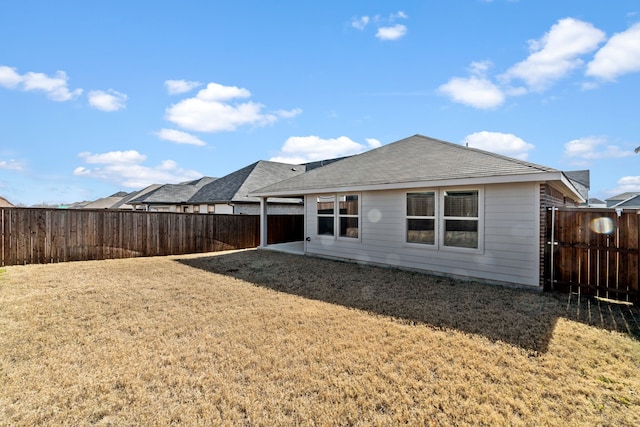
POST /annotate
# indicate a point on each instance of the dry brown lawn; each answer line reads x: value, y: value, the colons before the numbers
x: 267, y: 339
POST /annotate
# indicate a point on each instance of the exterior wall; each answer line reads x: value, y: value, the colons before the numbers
x: 509, y: 251
x: 272, y: 209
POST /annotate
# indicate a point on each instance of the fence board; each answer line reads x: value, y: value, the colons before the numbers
x: 31, y: 235
x: 595, y: 252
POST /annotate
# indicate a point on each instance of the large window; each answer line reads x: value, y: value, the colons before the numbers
x: 348, y: 215
x: 461, y: 219
x: 340, y: 211
x: 326, y: 215
x: 421, y: 211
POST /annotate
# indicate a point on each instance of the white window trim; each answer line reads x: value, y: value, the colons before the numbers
x: 440, y: 218
x: 479, y: 218
x: 336, y: 217
x: 319, y: 215
x: 436, y: 237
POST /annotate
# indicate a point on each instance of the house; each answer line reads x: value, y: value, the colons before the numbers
x: 170, y: 197
x: 4, y: 203
x: 104, y: 202
x: 425, y: 204
x: 593, y: 202
x: 230, y: 194
x: 626, y: 198
x: 123, y: 203
x: 632, y: 202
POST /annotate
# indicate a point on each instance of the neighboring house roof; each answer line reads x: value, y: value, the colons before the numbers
x: 613, y: 200
x: 4, y: 203
x: 594, y: 201
x: 106, y: 202
x: 172, y: 193
x: 124, y: 202
x: 631, y: 202
x: 417, y: 160
x: 581, y: 180
x: 236, y: 186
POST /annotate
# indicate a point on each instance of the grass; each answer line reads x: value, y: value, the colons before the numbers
x: 262, y: 338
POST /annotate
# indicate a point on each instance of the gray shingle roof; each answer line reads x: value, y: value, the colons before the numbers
x: 414, y: 159
x: 172, y: 193
x: 622, y: 196
x: 631, y: 202
x: 236, y: 186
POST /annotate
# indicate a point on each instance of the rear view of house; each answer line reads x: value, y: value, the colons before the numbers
x: 421, y: 203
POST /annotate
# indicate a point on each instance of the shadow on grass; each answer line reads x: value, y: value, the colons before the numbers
x: 520, y: 317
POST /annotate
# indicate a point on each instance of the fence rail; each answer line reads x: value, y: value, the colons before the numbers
x: 594, y: 252
x: 39, y: 236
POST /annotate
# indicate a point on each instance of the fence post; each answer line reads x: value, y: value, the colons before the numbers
x: 552, y: 243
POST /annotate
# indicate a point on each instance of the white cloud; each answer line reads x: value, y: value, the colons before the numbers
x: 56, y: 88
x: 498, y: 142
x: 373, y: 143
x: 211, y: 111
x: 621, y: 55
x: 218, y: 92
x: 556, y: 54
x: 360, y: 23
x: 397, y: 15
x: 180, y: 86
x: 391, y: 33
x: 11, y: 165
x: 9, y: 77
x: 113, y: 157
x: 125, y: 168
x: 303, y: 149
x: 109, y: 101
x: 592, y: 148
x: 179, y: 137
x: 474, y: 91
x: 288, y: 114
x: 626, y: 184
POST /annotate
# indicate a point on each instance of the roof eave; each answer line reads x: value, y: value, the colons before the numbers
x: 498, y: 179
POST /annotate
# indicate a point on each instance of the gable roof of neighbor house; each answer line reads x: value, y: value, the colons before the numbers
x: 104, y: 202
x: 236, y: 186
x: 172, y: 194
x: 417, y: 160
x: 4, y: 203
x: 123, y: 203
x: 614, y: 200
x: 631, y: 202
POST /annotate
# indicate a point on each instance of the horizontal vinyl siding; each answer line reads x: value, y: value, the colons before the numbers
x: 510, y: 237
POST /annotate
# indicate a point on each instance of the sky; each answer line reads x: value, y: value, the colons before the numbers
x: 98, y: 97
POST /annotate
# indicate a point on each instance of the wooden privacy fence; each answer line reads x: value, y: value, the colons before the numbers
x: 593, y: 252
x: 39, y: 236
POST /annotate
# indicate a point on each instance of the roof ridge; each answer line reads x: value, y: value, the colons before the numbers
x: 490, y: 153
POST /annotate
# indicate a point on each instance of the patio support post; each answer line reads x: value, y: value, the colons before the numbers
x: 263, y: 222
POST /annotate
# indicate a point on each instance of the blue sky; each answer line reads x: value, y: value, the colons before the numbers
x: 99, y: 97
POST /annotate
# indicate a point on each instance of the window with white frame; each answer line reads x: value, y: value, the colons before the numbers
x: 421, y: 217
x: 326, y: 215
x: 348, y: 215
x: 341, y: 212
x: 461, y: 219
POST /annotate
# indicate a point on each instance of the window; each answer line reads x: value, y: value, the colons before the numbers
x: 348, y: 215
x: 344, y: 215
x: 421, y: 210
x: 326, y: 215
x: 461, y: 219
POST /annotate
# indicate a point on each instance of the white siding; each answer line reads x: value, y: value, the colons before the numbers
x: 511, y: 237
